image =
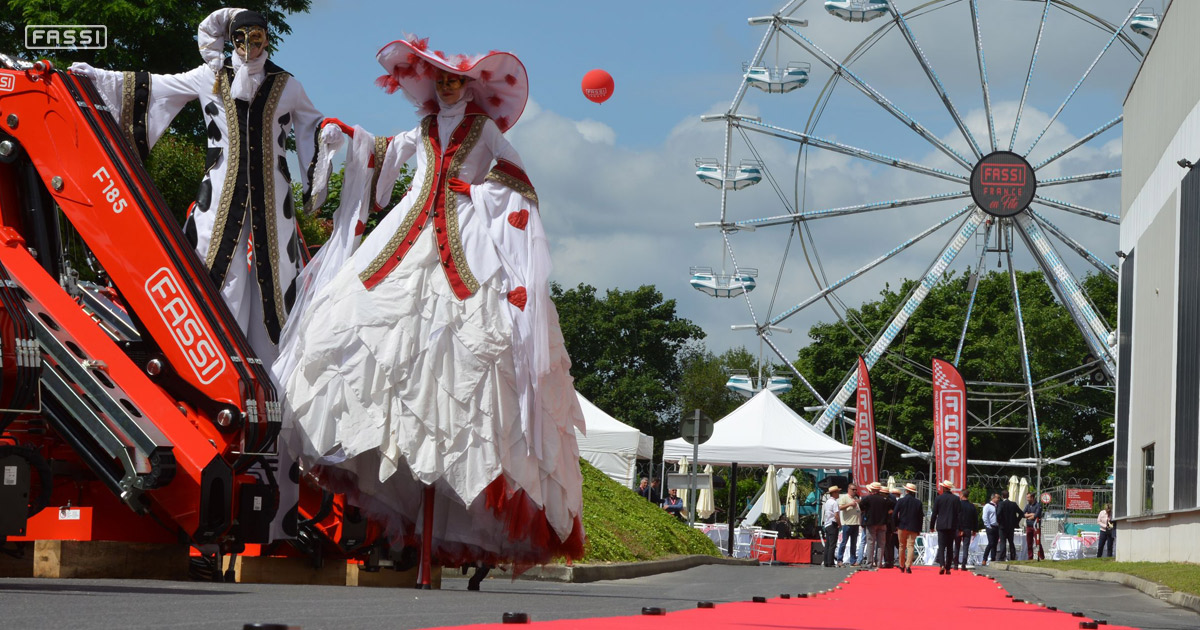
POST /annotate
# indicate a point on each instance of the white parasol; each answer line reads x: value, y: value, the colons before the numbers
x: 771, y: 503
x: 1013, y: 486
x: 793, y: 502
x: 1021, y: 492
x: 683, y: 469
x: 704, y: 503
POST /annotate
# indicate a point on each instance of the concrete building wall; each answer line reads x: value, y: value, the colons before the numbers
x: 1161, y: 126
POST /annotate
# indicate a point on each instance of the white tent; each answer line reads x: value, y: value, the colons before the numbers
x: 610, y: 445
x: 764, y: 431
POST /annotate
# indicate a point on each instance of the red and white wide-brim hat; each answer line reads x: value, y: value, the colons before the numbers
x: 500, y: 84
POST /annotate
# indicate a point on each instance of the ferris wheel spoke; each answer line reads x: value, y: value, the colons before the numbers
x: 1074, y: 179
x: 1016, y: 293
x: 845, y: 149
x: 974, y: 282
x: 1029, y: 75
x: 771, y: 344
x: 1077, y: 209
x: 1075, y: 246
x: 873, y: 94
x: 1115, y: 35
x: 920, y: 292
x: 745, y: 83
x: 865, y: 268
x: 1070, y: 294
x: 987, y: 92
x: 1080, y: 142
x: 812, y: 215
x: 927, y: 67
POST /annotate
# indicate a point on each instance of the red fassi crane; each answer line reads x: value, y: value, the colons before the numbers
x: 137, y: 402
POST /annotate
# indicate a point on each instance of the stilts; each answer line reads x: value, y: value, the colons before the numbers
x: 426, y: 570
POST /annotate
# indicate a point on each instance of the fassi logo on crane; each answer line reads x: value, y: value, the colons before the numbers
x: 193, y: 338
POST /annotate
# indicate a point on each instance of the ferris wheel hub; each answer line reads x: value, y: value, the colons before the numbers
x: 1003, y: 183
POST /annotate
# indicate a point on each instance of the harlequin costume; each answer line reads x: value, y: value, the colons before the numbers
x: 433, y: 358
x: 243, y: 222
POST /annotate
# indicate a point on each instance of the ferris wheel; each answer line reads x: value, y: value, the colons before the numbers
x: 878, y: 124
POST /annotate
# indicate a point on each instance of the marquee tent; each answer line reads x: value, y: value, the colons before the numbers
x: 610, y: 445
x: 761, y: 432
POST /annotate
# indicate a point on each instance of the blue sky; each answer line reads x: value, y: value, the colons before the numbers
x: 617, y: 184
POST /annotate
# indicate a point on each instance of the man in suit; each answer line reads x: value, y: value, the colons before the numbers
x: 991, y: 527
x: 875, y: 514
x: 944, y: 518
x: 968, y: 523
x: 889, y: 552
x: 1007, y: 517
x: 908, y: 516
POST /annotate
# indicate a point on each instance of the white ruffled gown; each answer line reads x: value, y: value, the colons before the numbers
x: 404, y: 385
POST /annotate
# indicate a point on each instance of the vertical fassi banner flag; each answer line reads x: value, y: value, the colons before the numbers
x: 949, y: 424
x: 864, y: 461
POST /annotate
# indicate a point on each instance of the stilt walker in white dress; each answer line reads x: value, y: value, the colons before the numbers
x: 427, y: 378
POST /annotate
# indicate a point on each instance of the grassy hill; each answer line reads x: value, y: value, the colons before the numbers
x: 623, y: 527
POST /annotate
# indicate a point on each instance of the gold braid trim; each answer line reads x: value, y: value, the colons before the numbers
x: 233, y: 161
x: 381, y: 145
x: 269, y: 173
x: 419, y: 202
x: 128, y: 86
x: 451, y: 209
x: 502, y: 178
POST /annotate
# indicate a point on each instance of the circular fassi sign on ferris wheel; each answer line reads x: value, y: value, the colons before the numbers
x: 1003, y: 184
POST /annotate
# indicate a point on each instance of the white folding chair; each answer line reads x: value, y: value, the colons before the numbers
x: 763, y: 542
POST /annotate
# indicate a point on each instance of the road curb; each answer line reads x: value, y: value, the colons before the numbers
x: 1153, y: 589
x: 580, y: 573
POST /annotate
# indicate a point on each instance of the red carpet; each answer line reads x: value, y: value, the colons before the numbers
x: 887, y: 599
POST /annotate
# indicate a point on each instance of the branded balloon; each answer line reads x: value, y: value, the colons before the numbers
x: 597, y: 85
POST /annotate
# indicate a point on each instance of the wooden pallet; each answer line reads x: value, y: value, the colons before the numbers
x: 95, y: 559
x: 272, y: 570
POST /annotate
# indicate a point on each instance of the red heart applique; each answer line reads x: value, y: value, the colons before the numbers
x: 519, y: 219
x: 518, y: 297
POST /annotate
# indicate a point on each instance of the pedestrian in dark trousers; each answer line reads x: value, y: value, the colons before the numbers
x: 992, y: 528
x: 1108, y: 531
x: 893, y: 539
x: 944, y: 518
x: 1033, y: 527
x: 831, y: 519
x: 1008, y: 515
x: 968, y: 523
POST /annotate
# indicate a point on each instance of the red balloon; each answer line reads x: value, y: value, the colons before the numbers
x: 597, y: 85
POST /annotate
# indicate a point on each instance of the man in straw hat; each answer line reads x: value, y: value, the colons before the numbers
x: 831, y: 519
x: 944, y: 518
x: 875, y: 514
x: 908, y: 516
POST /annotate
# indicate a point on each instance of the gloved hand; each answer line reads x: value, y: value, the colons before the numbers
x: 459, y: 186
x: 346, y: 129
x: 82, y: 69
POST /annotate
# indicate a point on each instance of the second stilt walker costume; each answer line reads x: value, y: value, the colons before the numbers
x: 432, y: 367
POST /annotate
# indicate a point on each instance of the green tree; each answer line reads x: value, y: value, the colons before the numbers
x: 317, y: 227
x: 706, y: 374
x: 176, y: 165
x: 625, y: 349
x: 1070, y: 413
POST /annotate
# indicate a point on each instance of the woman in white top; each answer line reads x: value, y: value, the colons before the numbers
x: 1108, y: 531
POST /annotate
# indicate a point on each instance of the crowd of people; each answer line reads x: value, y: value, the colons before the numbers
x: 880, y: 530
x: 651, y: 490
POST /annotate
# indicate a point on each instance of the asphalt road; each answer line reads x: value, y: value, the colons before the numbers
x: 133, y: 604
